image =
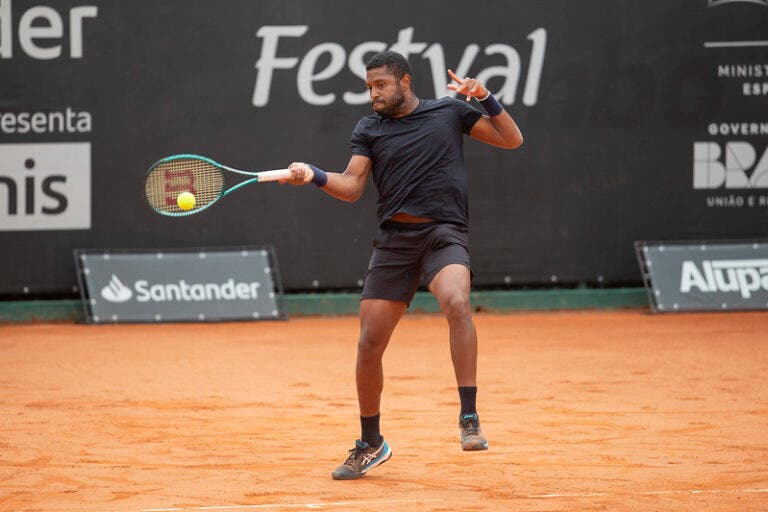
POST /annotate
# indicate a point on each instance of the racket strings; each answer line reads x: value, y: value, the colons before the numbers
x: 167, y: 180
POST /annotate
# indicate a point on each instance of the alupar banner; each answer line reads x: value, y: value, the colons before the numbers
x: 642, y: 121
x: 705, y: 276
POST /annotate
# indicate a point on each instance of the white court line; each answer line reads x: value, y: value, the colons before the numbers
x: 734, y: 44
x: 348, y: 504
x: 278, y: 506
x: 566, y: 495
x: 711, y: 491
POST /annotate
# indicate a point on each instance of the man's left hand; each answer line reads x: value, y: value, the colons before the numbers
x: 469, y: 87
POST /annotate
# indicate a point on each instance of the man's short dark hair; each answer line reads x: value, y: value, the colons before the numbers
x: 394, y: 62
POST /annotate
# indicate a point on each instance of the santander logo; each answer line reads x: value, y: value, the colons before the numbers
x: 116, y: 291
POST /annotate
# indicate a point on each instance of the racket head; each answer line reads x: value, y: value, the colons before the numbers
x: 172, y: 175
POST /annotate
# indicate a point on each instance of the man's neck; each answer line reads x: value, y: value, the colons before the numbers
x: 410, y: 104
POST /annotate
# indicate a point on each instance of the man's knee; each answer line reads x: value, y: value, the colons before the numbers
x: 371, y: 343
x: 457, y: 307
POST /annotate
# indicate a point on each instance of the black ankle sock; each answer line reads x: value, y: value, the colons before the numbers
x: 369, y: 426
x: 468, y: 395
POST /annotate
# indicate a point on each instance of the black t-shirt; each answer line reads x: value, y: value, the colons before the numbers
x: 418, y: 160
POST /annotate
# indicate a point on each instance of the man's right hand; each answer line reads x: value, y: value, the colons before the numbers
x: 301, y: 174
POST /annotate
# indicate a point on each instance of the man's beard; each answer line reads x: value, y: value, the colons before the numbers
x: 392, y: 108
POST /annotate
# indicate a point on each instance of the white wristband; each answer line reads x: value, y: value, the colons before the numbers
x: 486, y: 96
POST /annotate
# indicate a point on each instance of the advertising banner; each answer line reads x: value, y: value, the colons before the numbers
x: 642, y: 121
x: 705, y: 276
x: 53, y: 181
x: 174, y: 286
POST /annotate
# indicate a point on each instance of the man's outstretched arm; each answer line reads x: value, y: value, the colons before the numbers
x: 497, y: 128
x: 347, y: 186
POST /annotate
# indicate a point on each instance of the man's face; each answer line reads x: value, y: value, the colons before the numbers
x: 387, y: 92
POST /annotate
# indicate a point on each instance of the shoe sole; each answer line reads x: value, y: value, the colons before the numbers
x: 379, y: 462
x: 473, y: 446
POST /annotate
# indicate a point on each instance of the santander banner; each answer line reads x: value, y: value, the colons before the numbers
x: 179, y: 285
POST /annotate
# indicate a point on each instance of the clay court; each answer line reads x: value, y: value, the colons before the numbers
x: 617, y: 410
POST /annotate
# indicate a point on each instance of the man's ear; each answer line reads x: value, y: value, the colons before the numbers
x: 406, y: 81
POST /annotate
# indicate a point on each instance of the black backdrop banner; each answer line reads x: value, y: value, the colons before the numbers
x: 642, y: 120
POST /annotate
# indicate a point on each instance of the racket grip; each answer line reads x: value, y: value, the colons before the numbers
x: 277, y: 174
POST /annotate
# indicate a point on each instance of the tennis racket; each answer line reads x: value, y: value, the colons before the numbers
x: 198, y: 175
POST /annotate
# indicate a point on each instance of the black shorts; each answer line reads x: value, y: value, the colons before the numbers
x: 402, y: 252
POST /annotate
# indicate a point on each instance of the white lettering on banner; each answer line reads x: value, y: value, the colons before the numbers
x: 307, y: 75
x: 195, y: 292
x: 68, y: 121
x: 45, y: 186
x: 728, y: 201
x: 31, y: 30
x: 755, y: 89
x: 743, y: 276
x: 737, y: 71
x: 740, y: 156
x: 269, y: 61
x: 738, y: 128
x: 742, y: 70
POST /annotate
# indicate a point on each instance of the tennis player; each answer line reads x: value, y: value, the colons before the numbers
x: 414, y: 148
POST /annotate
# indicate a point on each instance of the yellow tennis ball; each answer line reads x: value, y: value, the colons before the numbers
x: 186, y: 200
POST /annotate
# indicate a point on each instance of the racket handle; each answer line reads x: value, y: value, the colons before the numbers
x: 277, y: 174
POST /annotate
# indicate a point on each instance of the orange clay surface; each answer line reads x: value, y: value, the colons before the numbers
x: 618, y: 410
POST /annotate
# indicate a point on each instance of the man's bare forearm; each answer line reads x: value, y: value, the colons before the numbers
x: 344, y: 186
x: 509, y: 133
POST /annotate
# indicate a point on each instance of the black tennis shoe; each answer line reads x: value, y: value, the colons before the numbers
x: 362, y: 458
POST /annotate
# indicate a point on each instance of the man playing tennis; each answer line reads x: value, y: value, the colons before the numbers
x: 415, y: 150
